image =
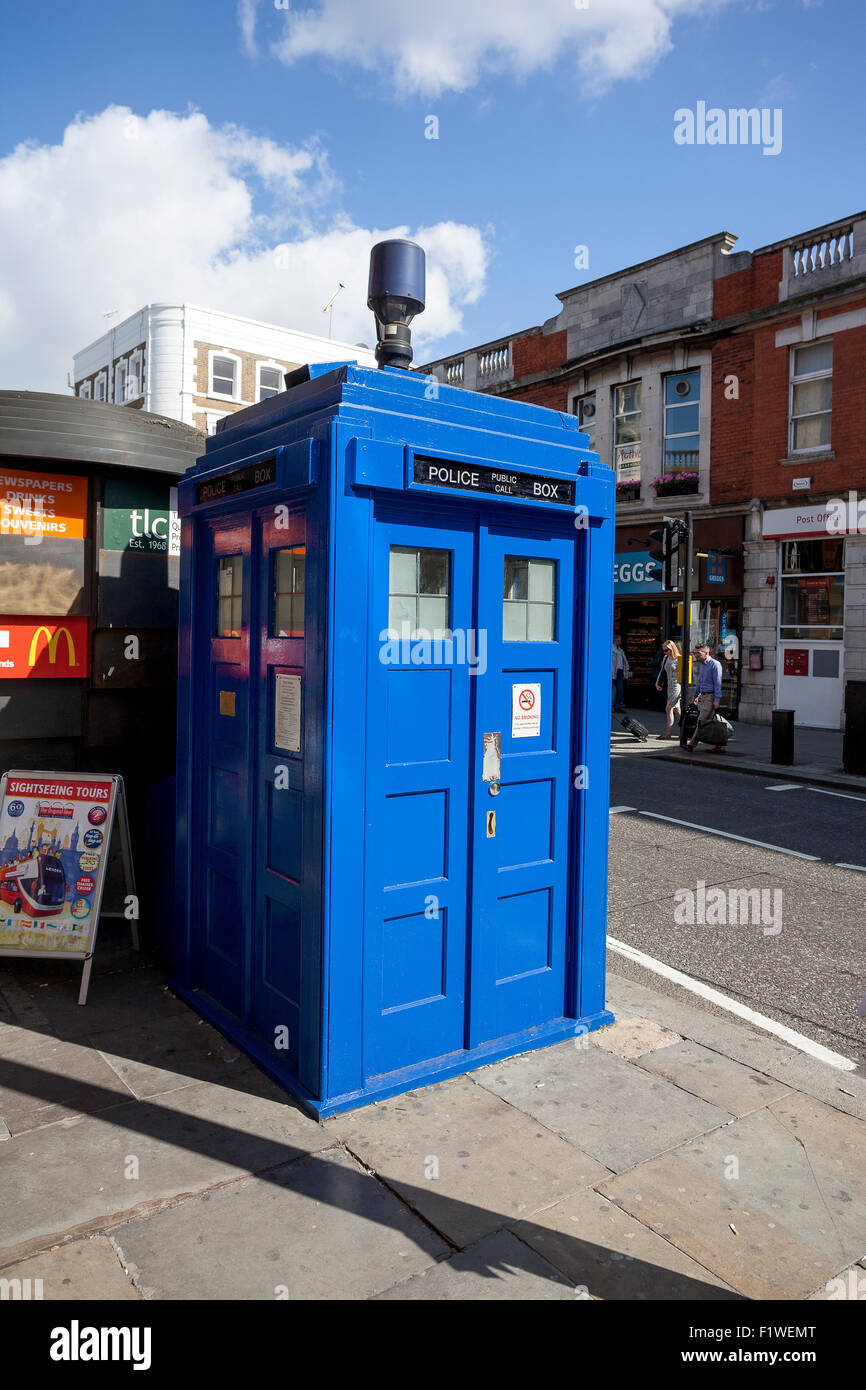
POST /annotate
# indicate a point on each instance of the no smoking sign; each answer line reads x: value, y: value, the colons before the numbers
x: 525, y: 711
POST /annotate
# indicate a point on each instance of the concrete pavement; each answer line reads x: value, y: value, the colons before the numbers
x: 675, y: 1155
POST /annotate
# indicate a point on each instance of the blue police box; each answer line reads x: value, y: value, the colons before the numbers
x: 394, y: 724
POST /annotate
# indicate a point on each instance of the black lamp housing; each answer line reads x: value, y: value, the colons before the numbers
x: 396, y: 293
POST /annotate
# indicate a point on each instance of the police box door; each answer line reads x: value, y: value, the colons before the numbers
x: 469, y: 784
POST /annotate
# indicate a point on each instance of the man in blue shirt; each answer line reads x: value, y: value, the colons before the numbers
x: 708, y: 691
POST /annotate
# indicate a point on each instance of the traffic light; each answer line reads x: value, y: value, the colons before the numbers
x: 667, y: 540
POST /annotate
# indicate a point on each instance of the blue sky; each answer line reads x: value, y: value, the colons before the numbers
x: 550, y: 136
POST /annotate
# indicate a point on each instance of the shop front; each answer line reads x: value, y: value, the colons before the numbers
x: 645, y: 616
x: 815, y: 547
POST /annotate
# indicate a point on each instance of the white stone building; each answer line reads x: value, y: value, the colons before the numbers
x: 196, y: 365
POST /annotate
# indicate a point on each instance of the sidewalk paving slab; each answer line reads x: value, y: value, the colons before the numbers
x: 153, y: 1059
x: 695, y: 1210
x: 85, y: 1270
x: 843, y: 1090
x: 713, y: 1077
x: 630, y: 1038
x: 75, y: 1080
x: 607, y: 1107
x: 491, y: 1162
x: 500, y: 1267
x: 74, y: 1174
x: 320, y: 1228
x: 596, y: 1244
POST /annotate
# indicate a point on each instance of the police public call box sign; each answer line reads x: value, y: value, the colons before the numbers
x: 502, y: 482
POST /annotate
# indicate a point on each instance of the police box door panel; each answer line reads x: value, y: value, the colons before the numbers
x: 220, y: 888
x: 521, y: 787
x: 418, y: 756
x: 468, y: 794
x: 285, y: 839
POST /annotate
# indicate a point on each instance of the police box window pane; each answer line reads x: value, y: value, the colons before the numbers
x: 529, y: 601
x: 419, y: 589
x: 230, y: 579
x: 224, y: 369
x: 289, y: 580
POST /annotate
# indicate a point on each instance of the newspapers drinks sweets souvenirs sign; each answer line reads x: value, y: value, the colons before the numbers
x: 55, y: 836
x: 239, y: 480
x: 476, y: 477
x: 42, y: 506
x: 525, y: 711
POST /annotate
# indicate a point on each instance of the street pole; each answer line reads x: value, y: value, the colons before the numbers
x: 687, y: 620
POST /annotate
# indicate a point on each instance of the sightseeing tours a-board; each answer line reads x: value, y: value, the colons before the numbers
x: 55, y: 836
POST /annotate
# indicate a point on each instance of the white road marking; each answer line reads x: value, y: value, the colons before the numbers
x: 786, y: 787
x: 861, y: 868
x: 846, y: 796
x: 714, y: 996
x: 617, y: 810
x: 727, y: 835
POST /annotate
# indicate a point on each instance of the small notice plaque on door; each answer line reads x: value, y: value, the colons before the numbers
x: 287, y: 713
x: 525, y: 711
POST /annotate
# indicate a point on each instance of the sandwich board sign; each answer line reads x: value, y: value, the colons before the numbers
x: 55, y: 836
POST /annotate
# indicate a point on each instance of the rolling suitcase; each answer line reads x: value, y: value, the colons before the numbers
x: 635, y: 728
x: 689, y: 723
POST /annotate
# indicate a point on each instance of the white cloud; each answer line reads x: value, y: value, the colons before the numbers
x: 430, y: 48
x: 129, y: 210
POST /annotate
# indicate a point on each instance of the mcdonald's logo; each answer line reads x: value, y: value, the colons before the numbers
x: 52, y: 638
x: 43, y: 648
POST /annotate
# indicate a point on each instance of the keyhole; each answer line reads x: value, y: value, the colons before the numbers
x: 491, y: 824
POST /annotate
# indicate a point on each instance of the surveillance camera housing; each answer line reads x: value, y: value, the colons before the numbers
x: 395, y: 294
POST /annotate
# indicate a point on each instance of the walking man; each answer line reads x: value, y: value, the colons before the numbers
x: 708, y: 692
x: 621, y: 673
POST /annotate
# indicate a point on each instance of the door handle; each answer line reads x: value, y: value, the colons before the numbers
x: 491, y: 825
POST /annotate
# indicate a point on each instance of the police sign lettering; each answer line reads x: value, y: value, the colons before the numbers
x: 499, y: 481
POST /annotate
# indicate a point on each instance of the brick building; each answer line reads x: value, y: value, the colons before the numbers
x: 196, y: 365
x: 631, y: 355
x: 788, y: 420
x: 728, y: 384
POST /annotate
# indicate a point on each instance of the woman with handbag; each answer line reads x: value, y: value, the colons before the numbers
x: 670, y: 673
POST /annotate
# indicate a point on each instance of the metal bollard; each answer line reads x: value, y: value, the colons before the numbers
x: 854, y: 741
x: 783, y: 737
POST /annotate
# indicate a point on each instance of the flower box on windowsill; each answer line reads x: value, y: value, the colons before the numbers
x: 676, y: 484
x: 628, y: 492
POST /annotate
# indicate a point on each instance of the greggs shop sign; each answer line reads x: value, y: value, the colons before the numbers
x: 43, y: 647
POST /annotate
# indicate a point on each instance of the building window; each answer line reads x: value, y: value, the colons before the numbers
x: 626, y: 432
x: 230, y: 590
x: 270, y: 382
x: 101, y: 386
x: 813, y: 591
x: 289, y: 567
x: 811, y: 396
x: 584, y: 409
x: 224, y: 372
x: 120, y: 383
x: 135, y: 378
x: 84, y: 390
x: 682, y: 424
x: 418, y: 592
x: 529, y: 600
